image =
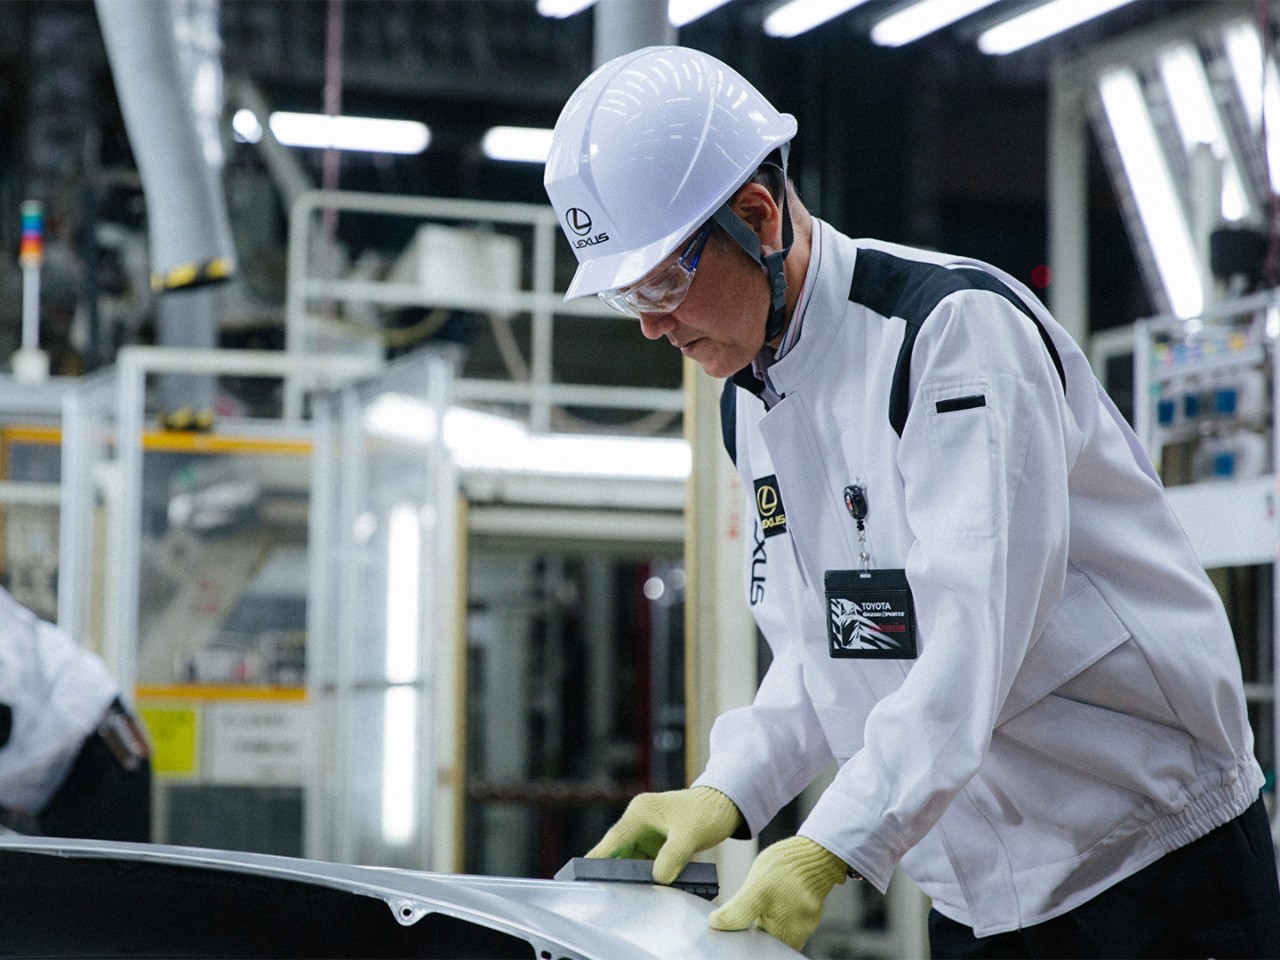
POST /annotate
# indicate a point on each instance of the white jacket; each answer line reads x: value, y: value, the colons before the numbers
x: 1076, y: 708
x: 57, y: 692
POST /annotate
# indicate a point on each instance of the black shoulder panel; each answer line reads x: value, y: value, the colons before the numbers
x: 729, y: 419
x: 911, y: 290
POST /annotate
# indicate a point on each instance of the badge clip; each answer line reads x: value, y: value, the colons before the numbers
x: 855, y: 500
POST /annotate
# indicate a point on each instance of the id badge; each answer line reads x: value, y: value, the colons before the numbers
x: 870, y: 615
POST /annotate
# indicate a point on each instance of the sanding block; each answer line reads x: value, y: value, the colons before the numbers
x: 699, y: 879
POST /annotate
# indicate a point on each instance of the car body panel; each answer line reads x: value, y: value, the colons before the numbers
x: 558, y: 920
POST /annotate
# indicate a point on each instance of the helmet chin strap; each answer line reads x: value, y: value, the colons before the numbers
x: 771, y: 262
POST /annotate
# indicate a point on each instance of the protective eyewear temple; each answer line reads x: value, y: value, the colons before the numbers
x: 664, y: 289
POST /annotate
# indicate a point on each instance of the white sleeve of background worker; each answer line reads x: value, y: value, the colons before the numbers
x: 58, y: 692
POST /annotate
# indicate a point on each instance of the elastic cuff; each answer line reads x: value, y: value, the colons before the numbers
x: 816, y: 862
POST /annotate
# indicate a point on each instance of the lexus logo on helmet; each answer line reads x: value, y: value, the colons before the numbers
x: 579, y: 221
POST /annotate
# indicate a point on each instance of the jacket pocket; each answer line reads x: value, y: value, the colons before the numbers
x: 963, y: 448
x: 1080, y: 632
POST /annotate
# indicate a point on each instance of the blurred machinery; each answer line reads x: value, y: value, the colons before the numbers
x: 1205, y: 407
x: 1184, y: 114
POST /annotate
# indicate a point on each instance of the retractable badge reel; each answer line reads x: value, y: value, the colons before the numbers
x: 870, y: 614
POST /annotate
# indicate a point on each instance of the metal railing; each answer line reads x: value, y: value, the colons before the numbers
x: 540, y: 392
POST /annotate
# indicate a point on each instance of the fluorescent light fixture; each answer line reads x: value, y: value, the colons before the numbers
x: 562, y: 8
x: 797, y: 16
x: 404, y: 543
x: 370, y: 134
x: 1259, y: 88
x: 1043, y: 22
x: 683, y: 12
x: 246, y: 127
x: 517, y: 144
x: 1162, y: 218
x: 921, y: 19
x: 400, y: 708
x: 399, y: 764
x: 1197, y: 120
x: 482, y: 441
x: 1244, y: 52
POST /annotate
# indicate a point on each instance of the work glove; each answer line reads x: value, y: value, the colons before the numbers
x: 669, y: 828
x: 784, y: 890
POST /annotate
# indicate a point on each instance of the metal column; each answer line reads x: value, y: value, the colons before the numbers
x: 625, y: 25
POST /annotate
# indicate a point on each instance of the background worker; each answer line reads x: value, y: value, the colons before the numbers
x: 73, y: 761
x: 977, y: 598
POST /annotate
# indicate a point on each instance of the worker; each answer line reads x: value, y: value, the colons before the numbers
x: 978, y: 601
x: 73, y: 761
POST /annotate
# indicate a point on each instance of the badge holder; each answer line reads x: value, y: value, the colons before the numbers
x: 870, y: 613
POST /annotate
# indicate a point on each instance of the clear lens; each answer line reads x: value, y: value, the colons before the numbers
x: 660, y: 293
x: 616, y: 300
x: 663, y: 291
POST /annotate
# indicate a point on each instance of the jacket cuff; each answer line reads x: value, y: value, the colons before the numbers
x: 855, y: 835
x: 741, y: 788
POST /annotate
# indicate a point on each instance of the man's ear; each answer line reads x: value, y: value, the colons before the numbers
x: 755, y: 205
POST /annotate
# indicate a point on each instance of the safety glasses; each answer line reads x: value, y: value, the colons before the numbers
x: 664, y: 289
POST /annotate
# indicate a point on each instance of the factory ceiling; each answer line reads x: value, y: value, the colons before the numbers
x: 932, y: 143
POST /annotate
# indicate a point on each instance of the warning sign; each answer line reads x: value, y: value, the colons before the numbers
x: 174, y: 735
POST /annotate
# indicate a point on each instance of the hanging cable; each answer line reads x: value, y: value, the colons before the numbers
x: 1266, y: 38
x: 332, y: 156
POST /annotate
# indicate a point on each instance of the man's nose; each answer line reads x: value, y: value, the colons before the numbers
x: 655, y: 325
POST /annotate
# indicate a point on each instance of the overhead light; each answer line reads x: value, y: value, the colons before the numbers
x: 1244, y: 52
x: 399, y: 765
x: 683, y: 12
x: 562, y: 8
x: 369, y: 134
x: 480, y: 441
x: 1043, y: 22
x: 1259, y: 88
x: 246, y: 127
x: 518, y: 144
x: 404, y: 549
x: 797, y: 16
x: 1152, y: 186
x: 483, y: 441
x: 1198, y: 122
x: 921, y: 19
x: 400, y: 706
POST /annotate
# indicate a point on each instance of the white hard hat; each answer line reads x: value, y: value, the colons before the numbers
x: 646, y: 149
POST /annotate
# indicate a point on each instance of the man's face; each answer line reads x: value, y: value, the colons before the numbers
x: 720, y: 323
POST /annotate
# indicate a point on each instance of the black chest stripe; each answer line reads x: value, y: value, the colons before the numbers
x: 911, y: 290
x: 729, y: 420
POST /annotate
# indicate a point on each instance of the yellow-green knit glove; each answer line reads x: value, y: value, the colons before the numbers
x: 784, y: 890
x: 669, y: 828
